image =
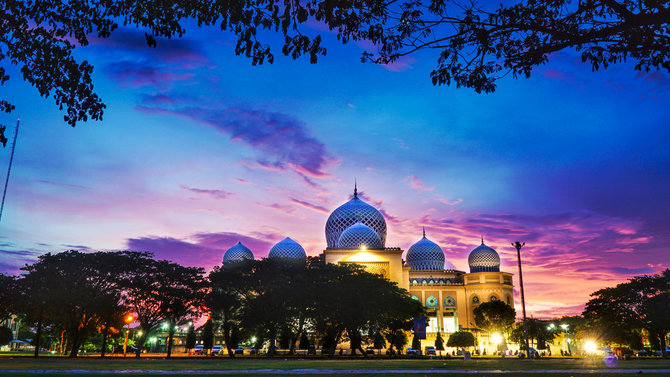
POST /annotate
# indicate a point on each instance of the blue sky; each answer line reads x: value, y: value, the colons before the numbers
x: 199, y: 149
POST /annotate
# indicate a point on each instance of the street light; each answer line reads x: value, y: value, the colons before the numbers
x: 129, y: 318
x: 564, y: 327
x: 518, y: 245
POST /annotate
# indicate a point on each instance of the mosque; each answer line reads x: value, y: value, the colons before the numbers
x: 356, y: 233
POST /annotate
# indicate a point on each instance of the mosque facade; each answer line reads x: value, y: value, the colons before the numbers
x: 356, y: 233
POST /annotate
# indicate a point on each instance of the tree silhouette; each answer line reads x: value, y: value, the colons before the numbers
x: 8, y: 294
x: 621, y: 312
x: 190, y: 339
x: 439, y: 343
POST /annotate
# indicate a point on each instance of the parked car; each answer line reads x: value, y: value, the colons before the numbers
x: 239, y: 350
x: 430, y: 350
x: 624, y: 352
x: 129, y: 349
x: 532, y: 353
x: 411, y: 351
x: 216, y: 350
x: 199, y: 349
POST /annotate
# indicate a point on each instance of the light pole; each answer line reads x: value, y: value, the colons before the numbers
x: 129, y: 319
x: 518, y: 245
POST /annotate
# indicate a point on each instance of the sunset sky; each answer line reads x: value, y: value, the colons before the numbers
x: 199, y: 149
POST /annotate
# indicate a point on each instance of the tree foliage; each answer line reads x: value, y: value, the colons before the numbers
x: 8, y: 294
x: 439, y: 343
x: 461, y: 339
x: 620, y: 313
x: 476, y: 42
x: 6, y: 335
x: 282, y: 301
x: 494, y: 316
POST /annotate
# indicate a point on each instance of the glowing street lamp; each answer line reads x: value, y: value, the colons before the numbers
x: 590, y: 346
x: 564, y: 326
x: 129, y: 319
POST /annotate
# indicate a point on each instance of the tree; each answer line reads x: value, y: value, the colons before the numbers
x: 224, y: 299
x: 304, y: 341
x: 190, y: 339
x: 8, y: 295
x: 162, y: 293
x: 477, y: 42
x: 461, y: 339
x: 397, y: 337
x: 494, y: 316
x: 208, y: 336
x: 439, y: 343
x: 623, y: 311
x: 416, y: 343
x: 6, y: 335
x: 76, y: 292
x: 378, y: 341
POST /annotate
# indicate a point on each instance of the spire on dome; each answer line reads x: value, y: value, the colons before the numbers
x: 355, y: 189
x: 482, y: 239
x: 424, y: 232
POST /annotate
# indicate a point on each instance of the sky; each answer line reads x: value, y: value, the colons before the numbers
x: 198, y: 150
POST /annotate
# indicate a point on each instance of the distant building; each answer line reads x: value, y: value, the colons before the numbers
x: 356, y: 233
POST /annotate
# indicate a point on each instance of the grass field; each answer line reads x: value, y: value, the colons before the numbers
x: 243, y: 367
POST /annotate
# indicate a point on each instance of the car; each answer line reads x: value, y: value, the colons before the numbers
x: 129, y: 349
x: 532, y: 353
x: 430, y: 350
x: 216, y: 350
x: 239, y: 350
x: 411, y: 351
x: 199, y: 349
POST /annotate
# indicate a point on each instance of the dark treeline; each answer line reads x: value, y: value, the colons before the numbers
x: 73, y: 297
x: 631, y: 311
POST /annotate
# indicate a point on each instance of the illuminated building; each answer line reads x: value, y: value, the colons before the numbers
x: 356, y: 233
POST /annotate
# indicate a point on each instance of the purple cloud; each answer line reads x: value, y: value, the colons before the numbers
x: 216, y: 194
x: 136, y: 75
x: 310, y: 206
x: 206, y: 249
x: 175, y: 50
x: 282, y: 139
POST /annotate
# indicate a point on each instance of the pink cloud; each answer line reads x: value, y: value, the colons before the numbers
x: 308, y: 205
x: 417, y: 184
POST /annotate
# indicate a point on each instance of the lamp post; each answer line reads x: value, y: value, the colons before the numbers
x: 518, y: 245
x: 129, y: 318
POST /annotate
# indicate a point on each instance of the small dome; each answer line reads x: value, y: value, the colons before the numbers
x: 484, y: 259
x: 287, y: 248
x: 237, y: 253
x: 426, y: 255
x: 349, y: 214
x: 358, y: 236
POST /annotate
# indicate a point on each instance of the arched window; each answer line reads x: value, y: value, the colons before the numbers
x: 475, y: 300
x: 424, y: 282
x: 415, y: 281
x: 509, y: 302
x: 431, y: 302
x: 432, y: 282
x: 449, y: 301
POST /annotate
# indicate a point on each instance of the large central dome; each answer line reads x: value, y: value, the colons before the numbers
x: 349, y: 214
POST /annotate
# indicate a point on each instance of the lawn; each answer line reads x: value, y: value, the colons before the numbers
x: 233, y: 367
